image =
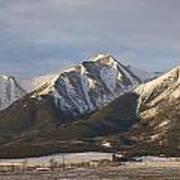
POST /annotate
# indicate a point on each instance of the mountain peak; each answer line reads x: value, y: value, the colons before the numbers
x: 177, y: 68
x: 171, y: 76
x: 176, y: 72
x: 105, y: 59
x: 166, y: 86
x: 83, y: 87
x: 98, y: 57
x: 90, y: 85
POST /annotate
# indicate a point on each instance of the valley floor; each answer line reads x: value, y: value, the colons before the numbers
x: 150, y: 168
x: 129, y: 171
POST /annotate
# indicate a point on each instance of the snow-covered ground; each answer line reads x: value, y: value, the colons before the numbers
x: 157, y: 159
x: 151, y: 167
x: 76, y: 158
x: 67, y: 158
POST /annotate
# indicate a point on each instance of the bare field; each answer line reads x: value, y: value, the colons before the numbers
x: 149, y: 168
x: 129, y: 171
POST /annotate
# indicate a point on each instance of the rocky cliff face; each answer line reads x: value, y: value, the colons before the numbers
x: 146, y: 117
x: 81, y: 89
x: 90, y: 85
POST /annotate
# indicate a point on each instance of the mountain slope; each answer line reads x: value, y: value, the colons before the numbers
x: 80, y: 89
x: 159, y: 110
x: 74, y: 93
x: 36, y: 129
x: 88, y: 86
x: 10, y: 91
x: 58, y: 117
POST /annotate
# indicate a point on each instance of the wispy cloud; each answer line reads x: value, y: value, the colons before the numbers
x: 35, y: 33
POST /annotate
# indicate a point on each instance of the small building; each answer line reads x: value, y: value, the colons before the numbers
x: 121, y: 157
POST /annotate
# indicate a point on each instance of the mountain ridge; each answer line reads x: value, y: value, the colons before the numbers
x: 139, y: 123
x: 101, y: 64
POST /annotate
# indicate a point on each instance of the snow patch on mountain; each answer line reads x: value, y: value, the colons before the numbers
x: 32, y: 84
x: 90, y: 85
x: 82, y: 88
x: 10, y: 91
x: 158, y: 106
x: 167, y: 84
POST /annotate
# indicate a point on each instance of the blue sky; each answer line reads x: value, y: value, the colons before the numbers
x: 42, y: 36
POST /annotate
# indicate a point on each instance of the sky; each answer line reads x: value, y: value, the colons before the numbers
x: 42, y: 36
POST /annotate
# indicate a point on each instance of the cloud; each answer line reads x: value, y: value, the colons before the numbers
x: 43, y: 31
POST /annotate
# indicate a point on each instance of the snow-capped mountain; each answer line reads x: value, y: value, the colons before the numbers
x: 166, y: 86
x: 80, y: 89
x: 10, y: 91
x: 89, y: 86
x: 159, y: 109
x: 32, y: 84
x: 47, y: 119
